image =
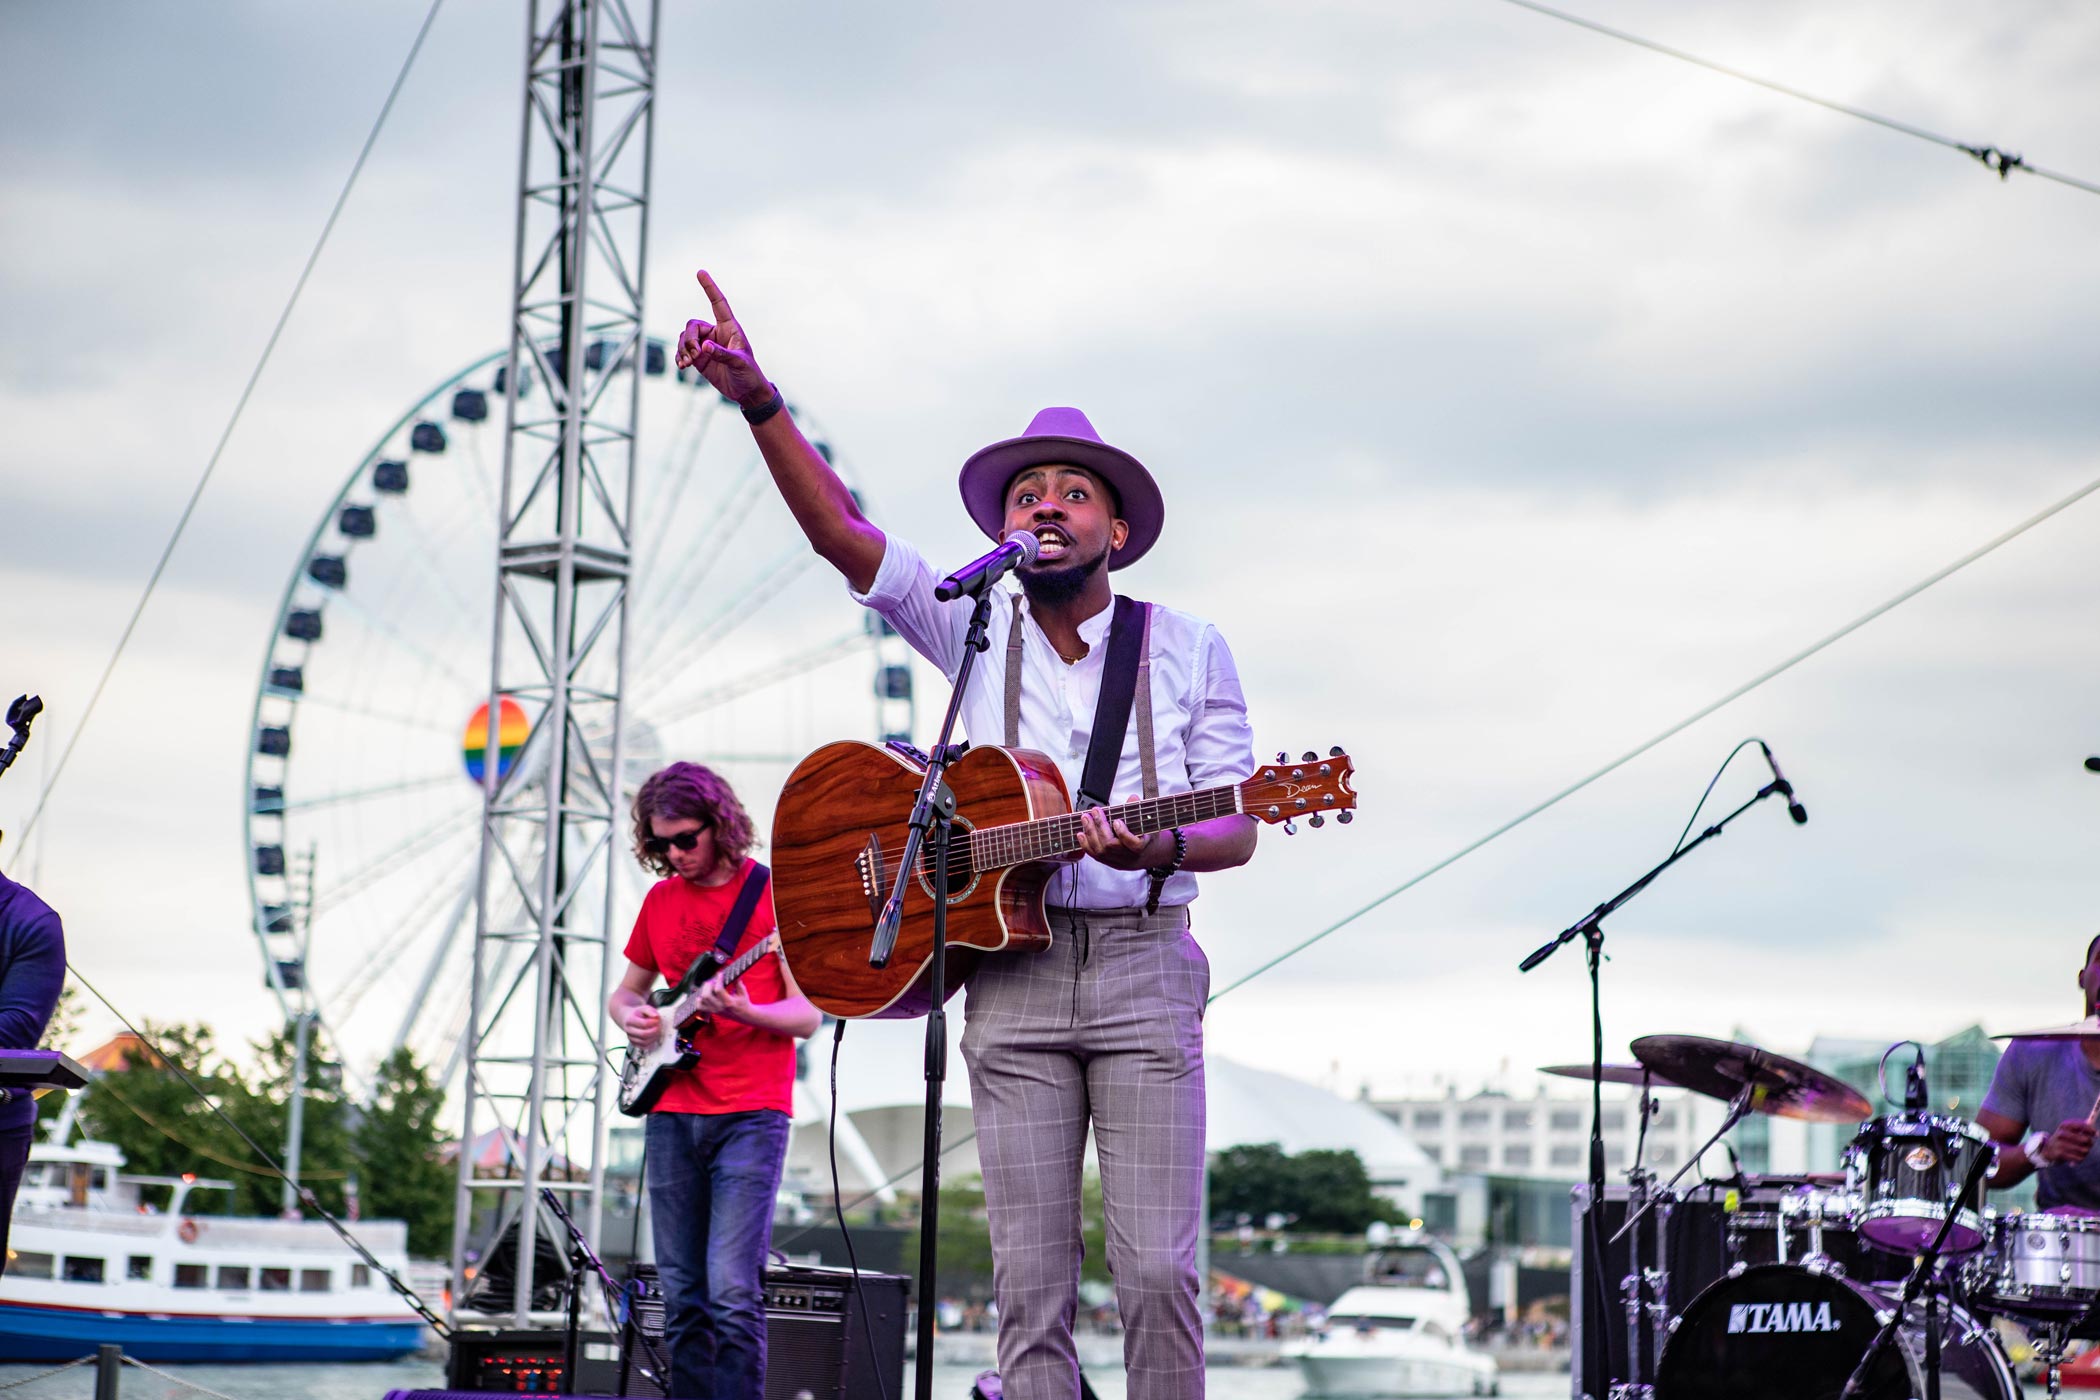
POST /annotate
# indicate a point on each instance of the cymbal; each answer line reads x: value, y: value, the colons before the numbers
x: 2088, y: 1029
x: 1780, y: 1087
x: 1613, y: 1074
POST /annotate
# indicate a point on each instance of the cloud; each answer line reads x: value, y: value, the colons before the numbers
x: 1515, y: 392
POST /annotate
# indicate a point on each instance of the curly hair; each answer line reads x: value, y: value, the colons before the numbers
x: 691, y: 792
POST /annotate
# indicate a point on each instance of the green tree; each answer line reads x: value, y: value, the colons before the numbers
x: 1335, y: 1193
x: 401, y: 1173
x: 1253, y: 1180
x: 162, y: 1127
x: 1326, y: 1190
x: 62, y: 1034
x: 325, y: 1149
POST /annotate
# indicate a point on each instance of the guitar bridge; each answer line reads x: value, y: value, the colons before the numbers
x: 869, y: 862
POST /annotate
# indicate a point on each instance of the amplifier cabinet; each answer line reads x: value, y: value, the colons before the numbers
x: 820, y: 1343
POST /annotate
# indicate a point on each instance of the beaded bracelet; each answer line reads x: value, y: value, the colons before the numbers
x: 1162, y: 873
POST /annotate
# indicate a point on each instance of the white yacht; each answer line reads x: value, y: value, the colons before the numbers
x: 1401, y: 1332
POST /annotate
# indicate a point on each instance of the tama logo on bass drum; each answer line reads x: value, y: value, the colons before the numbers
x: 1781, y: 1317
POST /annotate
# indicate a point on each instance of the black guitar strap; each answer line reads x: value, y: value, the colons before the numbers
x: 1126, y: 639
x: 733, y: 926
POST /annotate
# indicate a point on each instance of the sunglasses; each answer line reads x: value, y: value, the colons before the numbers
x: 684, y: 841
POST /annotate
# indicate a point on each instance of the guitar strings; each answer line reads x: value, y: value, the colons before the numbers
x: 1004, y: 845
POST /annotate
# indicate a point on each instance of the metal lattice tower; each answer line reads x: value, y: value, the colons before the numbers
x: 554, y: 821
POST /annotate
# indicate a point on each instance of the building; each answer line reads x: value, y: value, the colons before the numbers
x: 1546, y: 1136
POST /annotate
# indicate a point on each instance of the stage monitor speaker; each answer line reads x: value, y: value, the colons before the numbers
x: 820, y: 1343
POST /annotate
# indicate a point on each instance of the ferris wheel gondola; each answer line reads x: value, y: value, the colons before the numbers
x: 362, y: 800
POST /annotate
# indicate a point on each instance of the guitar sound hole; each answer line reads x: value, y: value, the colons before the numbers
x: 961, y: 878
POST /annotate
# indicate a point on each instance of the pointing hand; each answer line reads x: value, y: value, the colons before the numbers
x: 721, y: 351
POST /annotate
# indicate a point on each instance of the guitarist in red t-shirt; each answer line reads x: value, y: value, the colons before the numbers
x: 718, y: 1135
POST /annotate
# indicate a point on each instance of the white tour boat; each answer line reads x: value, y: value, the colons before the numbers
x: 90, y: 1261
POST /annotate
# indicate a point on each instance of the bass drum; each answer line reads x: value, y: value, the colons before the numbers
x: 1782, y: 1332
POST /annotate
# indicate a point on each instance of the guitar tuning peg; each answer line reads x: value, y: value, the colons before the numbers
x: 1282, y: 757
x: 1317, y: 821
x: 1335, y: 752
x: 1345, y: 816
x: 1309, y: 756
x: 1290, y: 828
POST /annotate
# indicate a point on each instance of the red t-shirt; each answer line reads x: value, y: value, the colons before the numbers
x: 741, y: 1067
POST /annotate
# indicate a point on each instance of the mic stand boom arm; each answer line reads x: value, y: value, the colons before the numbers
x: 1590, y: 928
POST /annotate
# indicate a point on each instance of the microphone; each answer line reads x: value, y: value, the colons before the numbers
x: 1914, y: 1095
x: 973, y: 578
x: 2093, y: 764
x: 1785, y: 789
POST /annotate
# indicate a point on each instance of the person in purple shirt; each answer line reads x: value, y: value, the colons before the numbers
x: 2040, y: 1110
x: 32, y: 970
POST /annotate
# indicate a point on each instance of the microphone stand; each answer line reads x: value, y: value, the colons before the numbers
x: 932, y: 818
x: 582, y: 1257
x: 1590, y: 928
x: 1919, y: 1274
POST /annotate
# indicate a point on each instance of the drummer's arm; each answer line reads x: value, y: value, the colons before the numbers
x: 2013, y: 1166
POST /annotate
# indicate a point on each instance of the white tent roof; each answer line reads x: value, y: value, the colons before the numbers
x: 1250, y: 1106
x: 882, y: 1084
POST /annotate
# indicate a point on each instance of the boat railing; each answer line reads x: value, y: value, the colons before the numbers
x: 114, y: 1222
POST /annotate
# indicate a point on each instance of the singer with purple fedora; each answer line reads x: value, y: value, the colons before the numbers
x: 1103, y: 1029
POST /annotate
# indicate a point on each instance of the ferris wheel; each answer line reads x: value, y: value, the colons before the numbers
x: 363, y: 800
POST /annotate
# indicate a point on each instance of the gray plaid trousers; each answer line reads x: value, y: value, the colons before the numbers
x: 1105, y: 1026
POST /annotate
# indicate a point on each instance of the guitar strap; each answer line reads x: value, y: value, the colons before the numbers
x: 1126, y: 679
x: 733, y: 927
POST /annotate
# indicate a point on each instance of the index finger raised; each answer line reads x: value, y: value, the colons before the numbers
x: 715, y: 298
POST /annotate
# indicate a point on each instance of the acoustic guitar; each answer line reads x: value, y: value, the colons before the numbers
x: 838, y: 838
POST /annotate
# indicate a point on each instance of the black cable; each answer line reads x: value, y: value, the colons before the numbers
x: 306, y: 1197
x: 631, y: 1326
x: 838, y: 1209
x: 1993, y: 159
x: 240, y: 405
x: 1674, y: 730
x: 1710, y: 792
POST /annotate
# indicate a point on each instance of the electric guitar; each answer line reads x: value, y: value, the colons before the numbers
x: 649, y: 1067
x: 838, y: 835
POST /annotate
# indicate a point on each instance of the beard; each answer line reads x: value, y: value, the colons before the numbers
x: 1056, y: 586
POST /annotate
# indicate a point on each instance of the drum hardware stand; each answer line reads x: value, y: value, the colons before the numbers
x: 1645, y: 1291
x: 1739, y: 1108
x: 1590, y: 928
x: 933, y: 818
x: 1922, y: 1278
x: 2049, y: 1350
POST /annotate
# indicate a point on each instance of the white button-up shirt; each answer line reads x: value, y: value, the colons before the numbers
x: 1201, y: 737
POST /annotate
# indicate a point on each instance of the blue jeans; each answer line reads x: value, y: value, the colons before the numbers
x: 712, y: 1181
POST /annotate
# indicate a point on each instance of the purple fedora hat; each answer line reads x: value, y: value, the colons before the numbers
x: 1063, y: 436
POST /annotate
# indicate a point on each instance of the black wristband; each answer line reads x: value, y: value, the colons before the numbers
x: 1162, y: 873
x: 773, y: 405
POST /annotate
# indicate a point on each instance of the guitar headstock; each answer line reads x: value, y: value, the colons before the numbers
x: 1311, y: 787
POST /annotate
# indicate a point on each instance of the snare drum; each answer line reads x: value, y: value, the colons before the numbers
x: 1906, y: 1169
x: 2038, y: 1264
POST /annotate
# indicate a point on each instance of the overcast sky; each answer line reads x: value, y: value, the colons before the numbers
x: 1514, y: 393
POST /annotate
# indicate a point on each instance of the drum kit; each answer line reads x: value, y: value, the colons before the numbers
x: 1878, y: 1283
